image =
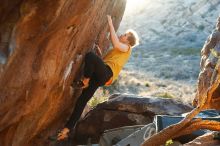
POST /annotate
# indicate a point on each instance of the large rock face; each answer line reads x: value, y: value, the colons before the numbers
x: 42, y: 45
x: 124, y: 110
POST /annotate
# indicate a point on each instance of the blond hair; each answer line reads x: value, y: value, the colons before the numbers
x: 133, y: 38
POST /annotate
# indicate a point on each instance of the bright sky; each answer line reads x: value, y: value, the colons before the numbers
x: 134, y: 5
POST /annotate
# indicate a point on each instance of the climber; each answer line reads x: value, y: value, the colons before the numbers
x: 98, y: 72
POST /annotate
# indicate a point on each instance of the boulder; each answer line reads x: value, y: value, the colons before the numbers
x: 124, y: 110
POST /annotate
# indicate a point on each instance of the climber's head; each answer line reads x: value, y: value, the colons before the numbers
x: 218, y: 23
x: 130, y: 37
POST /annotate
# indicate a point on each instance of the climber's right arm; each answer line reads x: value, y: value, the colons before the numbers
x: 98, y: 51
x: 114, y: 38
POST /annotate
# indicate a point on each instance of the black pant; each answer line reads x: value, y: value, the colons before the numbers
x: 99, y: 73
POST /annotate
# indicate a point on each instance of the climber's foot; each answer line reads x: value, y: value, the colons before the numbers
x: 82, y: 84
x: 63, y: 134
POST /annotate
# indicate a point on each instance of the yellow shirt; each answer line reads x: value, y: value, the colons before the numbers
x: 116, y: 59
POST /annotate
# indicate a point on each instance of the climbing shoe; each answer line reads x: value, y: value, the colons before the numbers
x: 63, y: 134
x: 79, y: 85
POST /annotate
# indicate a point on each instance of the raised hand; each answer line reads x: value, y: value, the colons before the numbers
x: 109, y: 19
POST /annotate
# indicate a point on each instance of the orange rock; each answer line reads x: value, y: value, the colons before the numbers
x: 42, y: 45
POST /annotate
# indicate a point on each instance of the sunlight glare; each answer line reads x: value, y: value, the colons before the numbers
x: 134, y: 5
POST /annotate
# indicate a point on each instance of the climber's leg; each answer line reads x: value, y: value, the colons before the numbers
x: 81, y: 102
x: 94, y: 66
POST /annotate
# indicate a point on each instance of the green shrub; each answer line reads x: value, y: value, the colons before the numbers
x: 164, y: 95
x: 201, y: 27
x: 169, y: 142
x: 147, y: 84
x: 96, y: 100
x: 186, y: 52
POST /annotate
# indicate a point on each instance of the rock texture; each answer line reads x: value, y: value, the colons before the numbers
x: 42, y: 45
x: 124, y: 110
x: 204, y: 140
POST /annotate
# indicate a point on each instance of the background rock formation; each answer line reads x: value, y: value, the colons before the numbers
x: 42, y: 44
x: 169, y: 39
